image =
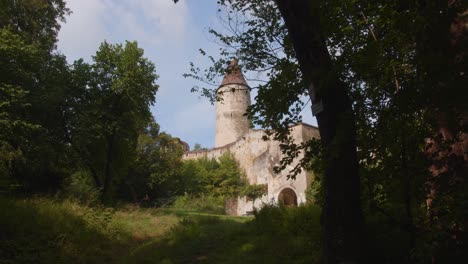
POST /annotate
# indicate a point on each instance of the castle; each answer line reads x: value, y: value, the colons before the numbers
x: 255, y: 156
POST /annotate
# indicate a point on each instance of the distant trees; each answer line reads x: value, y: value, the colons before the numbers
x: 86, y: 129
x: 159, y: 175
x: 155, y: 172
x: 221, y: 177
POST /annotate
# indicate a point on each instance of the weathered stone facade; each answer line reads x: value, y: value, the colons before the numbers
x: 231, y: 124
x: 255, y: 156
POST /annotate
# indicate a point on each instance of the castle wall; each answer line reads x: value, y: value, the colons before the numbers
x: 231, y: 122
x: 257, y: 158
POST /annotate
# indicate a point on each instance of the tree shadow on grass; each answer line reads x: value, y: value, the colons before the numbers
x: 47, y: 232
x: 210, y: 239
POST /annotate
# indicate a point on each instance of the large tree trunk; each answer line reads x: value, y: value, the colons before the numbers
x: 342, y: 215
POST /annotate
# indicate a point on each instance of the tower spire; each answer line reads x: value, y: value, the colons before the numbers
x: 233, y: 75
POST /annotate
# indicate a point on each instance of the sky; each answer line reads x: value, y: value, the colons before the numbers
x: 171, y: 36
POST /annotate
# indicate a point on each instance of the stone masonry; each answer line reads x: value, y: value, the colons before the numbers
x: 255, y: 156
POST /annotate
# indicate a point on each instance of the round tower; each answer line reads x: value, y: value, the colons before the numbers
x: 233, y: 99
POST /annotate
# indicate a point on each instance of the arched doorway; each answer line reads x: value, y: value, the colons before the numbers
x: 287, y: 197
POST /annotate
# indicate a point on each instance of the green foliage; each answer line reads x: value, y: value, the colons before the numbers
x: 314, y: 192
x: 80, y: 187
x: 46, y: 231
x: 211, y: 239
x: 60, y: 121
x: 36, y: 21
x: 404, y: 64
x: 214, y: 177
x: 33, y: 84
x: 155, y: 174
x: 253, y: 191
x: 388, y: 56
x: 226, y: 178
x: 118, y: 89
x: 206, y: 183
x: 262, y: 46
x: 297, y: 228
x: 199, y: 203
x: 197, y: 146
x: 302, y: 221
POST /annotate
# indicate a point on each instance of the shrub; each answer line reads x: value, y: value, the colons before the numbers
x: 201, y: 203
x: 80, y: 187
x: 296, y: 230
x: 302, y: 220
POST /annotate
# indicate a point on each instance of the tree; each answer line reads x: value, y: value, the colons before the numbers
x: 155, y: 173
x: 405, y: 82
x: 197, y: 146
x: 111, y: 107
x: 220, y: 177
x: 342, y: 217
x: 295, y: 57
x: 403, y: 66
x: 253, y: 191
x: 37, y: 22
x: 15, y: 128
x: 32, y: 82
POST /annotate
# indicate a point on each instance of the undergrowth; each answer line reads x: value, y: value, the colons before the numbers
x: 44, y: 230
x: 200, y: 203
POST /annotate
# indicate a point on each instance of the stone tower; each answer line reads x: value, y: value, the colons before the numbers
x: 233, y: 99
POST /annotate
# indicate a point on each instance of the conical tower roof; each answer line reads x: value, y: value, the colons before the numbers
x: 233, y: 75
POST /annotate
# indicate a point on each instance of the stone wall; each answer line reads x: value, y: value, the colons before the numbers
x: 257, y: 158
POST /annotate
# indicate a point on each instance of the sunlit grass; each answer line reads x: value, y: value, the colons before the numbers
x: 47, y: 231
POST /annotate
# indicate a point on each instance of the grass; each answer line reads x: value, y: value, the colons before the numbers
x: 47, y: 231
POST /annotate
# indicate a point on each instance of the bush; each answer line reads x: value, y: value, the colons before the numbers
x: 201, y: 203
x: 80, y: 187
x: 297, y: 229
x: 218, y: 177
x: 301, y: 220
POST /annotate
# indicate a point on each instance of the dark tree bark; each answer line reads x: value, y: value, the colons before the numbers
x: 441, y: 48
x: 85, y: 161
x: 446, y: 37
x: 106, y: 191
x: 342, y: 215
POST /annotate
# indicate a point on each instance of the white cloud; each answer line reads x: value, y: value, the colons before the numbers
x: 150, y: 22
x: 170, y: 36
x: 171, y: 19
x: 83, y: 30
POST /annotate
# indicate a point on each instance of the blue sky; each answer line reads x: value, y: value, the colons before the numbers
x: 171, y: 36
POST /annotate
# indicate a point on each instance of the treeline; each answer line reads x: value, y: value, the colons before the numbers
x: 85, y: 130
x: 163, y: 178
x: 59, y: 119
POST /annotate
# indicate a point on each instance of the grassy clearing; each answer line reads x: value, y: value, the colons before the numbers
x: 47, y: 231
